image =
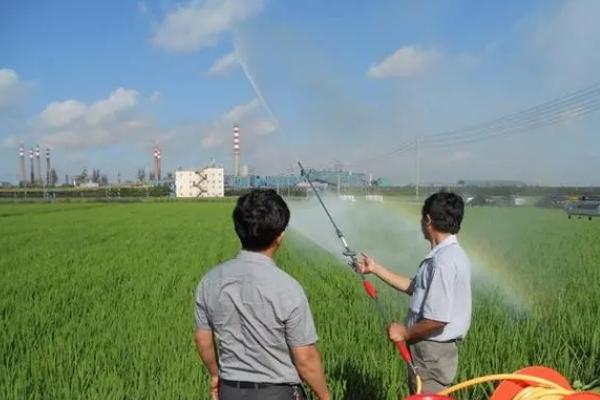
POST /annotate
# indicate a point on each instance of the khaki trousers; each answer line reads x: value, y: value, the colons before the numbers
x: 436, y: 364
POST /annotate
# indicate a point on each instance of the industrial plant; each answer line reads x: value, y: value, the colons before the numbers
x: 192, y: 182
x: 35, y: 177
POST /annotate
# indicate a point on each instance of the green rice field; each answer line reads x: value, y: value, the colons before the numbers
x: 96, y: 300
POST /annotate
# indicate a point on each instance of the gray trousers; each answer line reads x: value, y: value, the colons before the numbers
x: 436, y: 364
x: 275, y: 392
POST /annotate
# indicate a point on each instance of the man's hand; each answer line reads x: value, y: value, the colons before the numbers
x: 310, y: 368
x: 214, y: 387
x: 397, y: 332
x: 206, y: 348
x: 366, y: 265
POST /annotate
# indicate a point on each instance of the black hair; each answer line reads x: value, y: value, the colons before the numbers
x: 446, y: 211
x: 259, y: 217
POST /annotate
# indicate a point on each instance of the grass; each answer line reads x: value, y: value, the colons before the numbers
x: 96, y: 300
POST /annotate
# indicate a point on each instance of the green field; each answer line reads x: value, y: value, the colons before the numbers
x: 96, y: 300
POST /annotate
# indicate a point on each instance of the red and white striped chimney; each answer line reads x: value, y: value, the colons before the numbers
x: 158, y: 164
x: 155, y: 162
x: 38, y: 166
x: 22, y: 177
x: 32, y: 176
x: 236, y: 150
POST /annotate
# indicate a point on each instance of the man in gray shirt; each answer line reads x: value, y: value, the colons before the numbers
x: 439, y: 312
x: 257, y: 315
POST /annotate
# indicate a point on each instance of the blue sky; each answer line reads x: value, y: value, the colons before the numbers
x: 101, y: 83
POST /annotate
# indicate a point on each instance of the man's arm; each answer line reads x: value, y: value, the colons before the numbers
x: 310, y: 368
x: 206, y: 349
x: 301, y: 336
x: 397, y: 281
x: 421, y: 330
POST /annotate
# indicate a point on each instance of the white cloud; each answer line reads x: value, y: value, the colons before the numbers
x: 12, y: 88
x: 407, y: 61
x: 155, y: 97
x: 250, y: 119
x: 60, y: 114
x: 119, y: 101
x: 224, y: 65
x: 200, y: 23
x: 115, y: 119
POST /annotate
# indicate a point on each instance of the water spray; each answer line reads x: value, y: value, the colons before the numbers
x: 241, y: 60
x: 531, y: 383
x: 368, y: 286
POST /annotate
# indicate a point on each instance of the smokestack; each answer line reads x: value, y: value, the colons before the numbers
x: 155, y: 163
x: 32, y: 167
x: 158, y: 164
x: 22, y: 177
x: 38, y: 166
x: 48, y: 167
x: 236, y: 150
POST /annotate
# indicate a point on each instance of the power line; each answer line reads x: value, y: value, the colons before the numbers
x: 531, y: 117
x: 573, y: 105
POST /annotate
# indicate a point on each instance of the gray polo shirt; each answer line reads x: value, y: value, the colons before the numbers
x: 257, y: 312
x: 441, y: 291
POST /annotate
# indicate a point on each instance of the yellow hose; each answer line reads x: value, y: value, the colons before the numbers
x: 546, y: 390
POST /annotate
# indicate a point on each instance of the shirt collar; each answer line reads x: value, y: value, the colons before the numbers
x: 450, y: 240
x: 254, y: 256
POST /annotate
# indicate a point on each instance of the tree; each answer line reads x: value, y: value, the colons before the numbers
x: 141, y: 175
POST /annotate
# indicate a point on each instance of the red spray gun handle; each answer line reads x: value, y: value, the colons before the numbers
x: 404, y: 352
x: 370, y: 289
x: 401, y: 345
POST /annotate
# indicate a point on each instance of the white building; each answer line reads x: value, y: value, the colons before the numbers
x: 207, y: 182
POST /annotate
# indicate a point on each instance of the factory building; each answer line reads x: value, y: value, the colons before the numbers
x: 206, y: 182
x: 340, y: 178
x: 335, y: 179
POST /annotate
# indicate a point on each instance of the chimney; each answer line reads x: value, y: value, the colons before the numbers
x: 48, y: 167
x: 236, y: 150
x: 38, y: 167
x: 158, y: 164
x: 22, y: 177
x: 32, y: 167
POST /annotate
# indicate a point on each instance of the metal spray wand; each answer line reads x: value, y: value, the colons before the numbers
x: 353, y: 262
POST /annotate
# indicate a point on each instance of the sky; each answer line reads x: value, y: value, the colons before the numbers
x: 102, y: 82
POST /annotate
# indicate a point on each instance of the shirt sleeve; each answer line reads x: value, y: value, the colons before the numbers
x: 201, y: 310
x: 440, y: 295
x: 299, y: 327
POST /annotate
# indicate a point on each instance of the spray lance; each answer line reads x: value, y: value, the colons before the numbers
x: 535, y: 383
x: 353, y: 262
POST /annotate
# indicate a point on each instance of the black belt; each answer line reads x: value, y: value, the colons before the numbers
x: 253, y: 385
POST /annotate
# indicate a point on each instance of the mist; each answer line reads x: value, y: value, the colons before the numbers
x: 390, y: 233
